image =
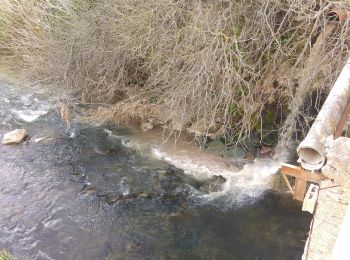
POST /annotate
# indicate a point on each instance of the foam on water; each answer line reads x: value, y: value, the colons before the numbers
x: 29, y: 115
x: 26, y: 108
x: 241, y: 186
x: 247, y: 185
x: 29, y: 108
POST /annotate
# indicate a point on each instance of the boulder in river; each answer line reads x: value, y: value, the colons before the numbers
x: 15, y: 137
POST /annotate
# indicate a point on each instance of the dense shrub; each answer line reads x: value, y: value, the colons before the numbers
x: 226, y: 67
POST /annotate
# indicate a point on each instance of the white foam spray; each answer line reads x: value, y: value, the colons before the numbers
x: 29, y: 108
x: 241, y: 186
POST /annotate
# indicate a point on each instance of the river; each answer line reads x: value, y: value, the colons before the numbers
x: 105, y: 192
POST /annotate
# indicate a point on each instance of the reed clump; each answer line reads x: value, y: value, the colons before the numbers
x: 223, y: 67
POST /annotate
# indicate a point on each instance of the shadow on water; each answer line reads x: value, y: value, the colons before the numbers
x: 78, y: 194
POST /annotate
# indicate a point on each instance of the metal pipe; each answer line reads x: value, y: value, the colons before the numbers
x: 311, y: 150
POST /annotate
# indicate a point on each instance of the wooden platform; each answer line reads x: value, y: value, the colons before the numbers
x: 302, y: 177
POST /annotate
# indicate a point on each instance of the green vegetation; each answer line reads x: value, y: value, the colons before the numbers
x: 4, y: 255
x: 231, y: 66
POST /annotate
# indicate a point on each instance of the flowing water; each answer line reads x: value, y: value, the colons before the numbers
x: 102, y: 192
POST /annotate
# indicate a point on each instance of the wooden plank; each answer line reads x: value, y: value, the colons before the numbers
x: 300, y: 189
x: 299, y: 173
x: 288, y: 184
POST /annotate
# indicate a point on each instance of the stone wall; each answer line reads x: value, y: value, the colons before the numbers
x: 332, y: 203
x: 338, y: 163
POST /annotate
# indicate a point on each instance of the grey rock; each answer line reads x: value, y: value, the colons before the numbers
x: 15, y: 137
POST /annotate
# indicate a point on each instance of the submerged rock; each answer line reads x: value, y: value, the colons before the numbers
x: 171, y: 197
x: 145, y: 195
x: 15, y: 137
x: 90, y: 189
x: 170, y: 179
x: 214, y: 184
x: 173, y: 180
x: 121, y: 199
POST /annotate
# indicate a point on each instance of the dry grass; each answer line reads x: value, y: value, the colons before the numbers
x: 206, y: 66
